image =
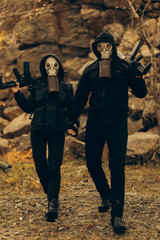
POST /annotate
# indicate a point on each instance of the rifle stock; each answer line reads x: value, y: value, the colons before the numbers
x: 24, y: 79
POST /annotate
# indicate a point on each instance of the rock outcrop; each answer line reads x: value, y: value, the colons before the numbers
x: 140, y: 147
x: 32, y: 29
x: 17, y: 126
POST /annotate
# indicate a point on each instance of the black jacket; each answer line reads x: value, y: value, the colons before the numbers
x: 106, y: 95
x: 50, y: 110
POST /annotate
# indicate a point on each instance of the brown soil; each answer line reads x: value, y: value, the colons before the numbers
x: 22, y: 206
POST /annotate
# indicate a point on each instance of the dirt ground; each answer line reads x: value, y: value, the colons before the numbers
x: 23, y: 204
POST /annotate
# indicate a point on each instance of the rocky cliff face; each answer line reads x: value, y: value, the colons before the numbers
x: 31, y: 29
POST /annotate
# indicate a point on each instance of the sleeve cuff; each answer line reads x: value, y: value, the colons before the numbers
x: 17, y: 93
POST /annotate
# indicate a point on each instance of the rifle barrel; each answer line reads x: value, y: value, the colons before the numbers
x: 22, y: 83
x: 135, y: 50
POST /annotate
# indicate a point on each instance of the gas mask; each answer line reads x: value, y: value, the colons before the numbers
x: 52, y: 68
x: 105, y: 50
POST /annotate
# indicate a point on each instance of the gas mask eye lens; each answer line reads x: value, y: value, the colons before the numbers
x: 48, y: 66
x: 108, y: 46
x: 99, y: 47
x: 56, y: 65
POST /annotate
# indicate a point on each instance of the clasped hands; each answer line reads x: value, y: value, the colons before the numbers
x: 73, y: 132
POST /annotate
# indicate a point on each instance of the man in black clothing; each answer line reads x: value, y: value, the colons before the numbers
x: 50, y: 102
x: 106, y: 81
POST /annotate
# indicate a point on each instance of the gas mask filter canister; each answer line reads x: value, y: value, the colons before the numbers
x: 52, y: 68
x: 105, y: 50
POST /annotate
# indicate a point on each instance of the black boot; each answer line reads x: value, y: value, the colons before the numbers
x: 118, y: 225
x: 106, y: 204
x: 52, y: 212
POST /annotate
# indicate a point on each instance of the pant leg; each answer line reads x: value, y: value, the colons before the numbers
x: 55, y: 156
x: 38, y: 142
x: 117, y: 191
x: 117, y: 144
x: 95, y: 139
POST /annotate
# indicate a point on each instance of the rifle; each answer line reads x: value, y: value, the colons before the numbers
x: 127, y: 61
x: 24, y: 79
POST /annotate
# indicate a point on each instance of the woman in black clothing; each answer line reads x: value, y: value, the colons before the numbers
x: 50, y: 102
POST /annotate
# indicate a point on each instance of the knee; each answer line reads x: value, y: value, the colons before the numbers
x: 117, y: 169
x: 116, y: 163
x: 54, y: 171
x: 92, y: 167
x: 117, y: 173
x: 41, y: 169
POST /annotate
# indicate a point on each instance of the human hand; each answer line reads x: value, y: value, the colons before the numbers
x: 71, y: 132
x: 15, y: 88
x: 136, y: 68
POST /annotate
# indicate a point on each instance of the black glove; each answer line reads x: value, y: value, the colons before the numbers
x: 136, y: 68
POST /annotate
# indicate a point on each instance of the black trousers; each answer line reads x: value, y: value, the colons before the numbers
x: 114, y: 131
x: 48, y: 170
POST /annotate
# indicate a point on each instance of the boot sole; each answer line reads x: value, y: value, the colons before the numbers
x: 103, y: 209
x: 118, y: 230
x: 51, y: 216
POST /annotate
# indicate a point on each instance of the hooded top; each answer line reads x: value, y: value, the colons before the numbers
x: 50, y: 110
x: 43, y: 70
x: 106, y: 95
x: 104, y: 37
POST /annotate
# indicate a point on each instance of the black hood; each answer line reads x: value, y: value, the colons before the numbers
x: 43, y: 70
x: 104, y: 37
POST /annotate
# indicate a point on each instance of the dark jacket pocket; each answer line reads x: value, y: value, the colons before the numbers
x: 37, y: 121
x: 61, y: 118
x: 44, y: 118
x: 50, y: 118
